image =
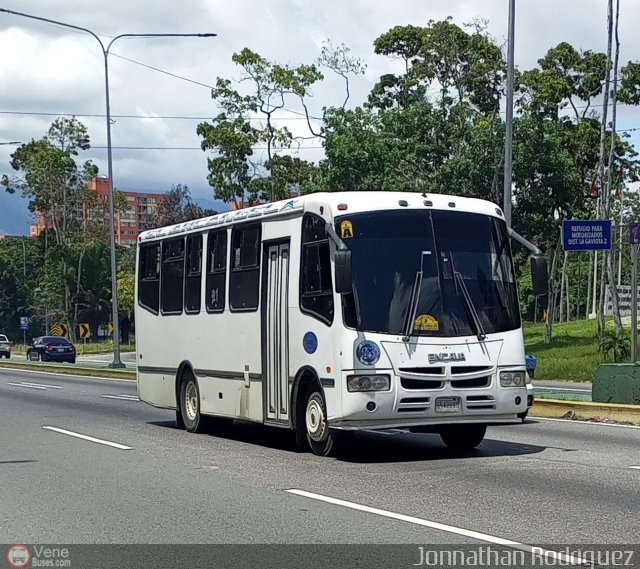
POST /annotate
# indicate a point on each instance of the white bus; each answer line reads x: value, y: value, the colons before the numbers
x: 334, y: 312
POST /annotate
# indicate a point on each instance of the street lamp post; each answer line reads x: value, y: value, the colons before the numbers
x: 24, y: 275
x: 509, y: 118
x: 117, y: 362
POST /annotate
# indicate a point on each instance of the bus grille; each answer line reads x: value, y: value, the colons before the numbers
x: 414, y: 404
x: 471, y: 383
x: 409, y: 384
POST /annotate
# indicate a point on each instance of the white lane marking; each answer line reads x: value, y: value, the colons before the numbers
x: 66, y: 375
x: 443, y: 527
x: 585, y: 422
x: 635, y: 467
x: 28, y: 386
x: 86, y: 438
x: 41, y: 385
x: 123, y: 397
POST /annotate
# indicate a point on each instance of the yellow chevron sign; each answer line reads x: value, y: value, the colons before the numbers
x: 59, y: 330
x: 85, y: 330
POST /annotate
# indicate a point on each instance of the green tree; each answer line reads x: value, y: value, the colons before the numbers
x: 177, y: 207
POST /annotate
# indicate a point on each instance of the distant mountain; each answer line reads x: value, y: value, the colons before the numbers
x: 15, y: 217
x: 215, y: 205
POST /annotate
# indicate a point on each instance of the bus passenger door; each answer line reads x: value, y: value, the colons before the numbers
x: 275, y: 331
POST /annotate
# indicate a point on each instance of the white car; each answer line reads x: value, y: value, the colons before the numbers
x: 5, y: 347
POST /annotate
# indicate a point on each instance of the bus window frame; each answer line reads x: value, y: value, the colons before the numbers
x: 210, y: 272
x: 157, y: 245
x: 164, y: 312
x: 188, y: 275
x: 301, y: 280
x: 253, y: 269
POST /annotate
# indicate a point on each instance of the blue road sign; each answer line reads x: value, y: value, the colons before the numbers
x: 589, y: 235
x: 24, y: 322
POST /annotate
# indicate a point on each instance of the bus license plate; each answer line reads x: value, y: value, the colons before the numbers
x: 448, y: 405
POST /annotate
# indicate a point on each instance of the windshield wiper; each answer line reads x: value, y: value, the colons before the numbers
x: 413, y: 306
x: 471, y: 309
x: 414, y: 300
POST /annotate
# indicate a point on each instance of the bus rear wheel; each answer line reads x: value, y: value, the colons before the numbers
x: 190, y: 404
x: 462, y: 437
x: 320, y: 437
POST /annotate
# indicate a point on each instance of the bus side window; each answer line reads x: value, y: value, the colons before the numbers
x: 316, y: 288
x: 216, y: 270
x: 149, y: 277
x: 172, y: 276
x: 192, y: 294
x: 244, y: 280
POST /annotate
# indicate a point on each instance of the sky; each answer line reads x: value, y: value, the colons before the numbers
x: 47, y: 70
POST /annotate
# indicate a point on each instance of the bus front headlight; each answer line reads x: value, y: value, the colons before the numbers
x: 378, y: 382
x: 512, y: 379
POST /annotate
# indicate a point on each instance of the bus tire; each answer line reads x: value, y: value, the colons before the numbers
x: 320, y: 437
x: 190, y: 403
x: 462, y: 437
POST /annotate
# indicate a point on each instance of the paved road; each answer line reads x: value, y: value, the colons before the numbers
x: 127, y: 358
x: 544, y: 482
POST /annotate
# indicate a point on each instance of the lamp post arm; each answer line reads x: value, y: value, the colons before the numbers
x: 56, y: 22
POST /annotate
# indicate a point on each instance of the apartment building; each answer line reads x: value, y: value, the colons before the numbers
x: 137, y: 217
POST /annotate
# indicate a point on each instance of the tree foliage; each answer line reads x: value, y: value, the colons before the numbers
x: 177, y: 207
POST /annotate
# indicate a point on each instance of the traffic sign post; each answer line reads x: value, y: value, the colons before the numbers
x: 24, y: 326
x: 634, y: 238
x: 589, y: 235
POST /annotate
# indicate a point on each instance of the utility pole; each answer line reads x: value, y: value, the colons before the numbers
x: 508, y: 137
x: 117, y: 362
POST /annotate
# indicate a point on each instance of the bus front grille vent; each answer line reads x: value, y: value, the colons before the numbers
x: 414, y: 404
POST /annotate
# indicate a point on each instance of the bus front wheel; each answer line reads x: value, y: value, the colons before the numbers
x: 190, y: 404
x: 320, y: 437
x: 462, y: 437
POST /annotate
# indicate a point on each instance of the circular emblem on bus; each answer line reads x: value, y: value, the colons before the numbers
x: 18, y: 556
x: 310, y: 342
x: 368, y: 352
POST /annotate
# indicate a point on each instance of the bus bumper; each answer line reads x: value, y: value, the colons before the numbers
x: 400, y: 408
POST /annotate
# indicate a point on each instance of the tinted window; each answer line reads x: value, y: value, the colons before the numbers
x: 194, y: 272
x: 465, y: 261
x: 59, y: 340
x: 244, y: 280
x: 149, y: 277
x: 172, y: 276
x: 316, y: 289
x: 216, y: 270
x: 3, y: 338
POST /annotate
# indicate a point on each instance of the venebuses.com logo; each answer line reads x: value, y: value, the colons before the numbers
x: 18, y: 556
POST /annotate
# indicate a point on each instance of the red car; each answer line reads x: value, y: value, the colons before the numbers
x: 52, y: 349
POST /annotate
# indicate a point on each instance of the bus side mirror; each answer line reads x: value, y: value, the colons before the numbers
x: 344, y: 280
x: 539, y: 275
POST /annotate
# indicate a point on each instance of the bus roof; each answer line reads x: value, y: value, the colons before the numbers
x: 336, y: 203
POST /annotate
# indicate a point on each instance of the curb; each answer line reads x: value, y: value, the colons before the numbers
x: 68, y: 370
x: 587, y: 411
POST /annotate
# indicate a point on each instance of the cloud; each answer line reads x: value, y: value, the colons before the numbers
x: 46, y: 68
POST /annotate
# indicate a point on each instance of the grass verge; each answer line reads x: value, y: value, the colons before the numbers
x: 70, y: 369
x: 572, y: 354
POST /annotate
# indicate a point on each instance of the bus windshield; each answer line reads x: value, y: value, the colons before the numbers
x: 458, y: 254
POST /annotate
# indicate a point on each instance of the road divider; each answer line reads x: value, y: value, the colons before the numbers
x: 70, y: 369
x: 586, y: 411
